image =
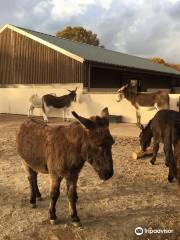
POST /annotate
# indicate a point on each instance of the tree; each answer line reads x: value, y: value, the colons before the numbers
x: 79, y: 34
x: 158, y: 60
x: 162, y: 61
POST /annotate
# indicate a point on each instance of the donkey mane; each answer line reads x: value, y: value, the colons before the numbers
x: 129, y: 94
x: 148, y: 126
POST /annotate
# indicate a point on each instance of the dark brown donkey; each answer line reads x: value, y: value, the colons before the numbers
x: 143, y: 101
x: 177, y: 158
x: 165, y: 128
x: 61, y: 152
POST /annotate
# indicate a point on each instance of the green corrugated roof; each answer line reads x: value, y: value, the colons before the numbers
x: 102, y: 55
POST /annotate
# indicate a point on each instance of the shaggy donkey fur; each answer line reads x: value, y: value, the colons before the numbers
x: 61, y: 152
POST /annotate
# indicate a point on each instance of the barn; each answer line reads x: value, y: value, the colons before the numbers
x: 34, y: 62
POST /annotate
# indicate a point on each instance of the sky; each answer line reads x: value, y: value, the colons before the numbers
x: 146, y: 28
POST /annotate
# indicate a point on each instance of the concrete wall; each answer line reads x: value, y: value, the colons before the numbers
x: 15, y: 100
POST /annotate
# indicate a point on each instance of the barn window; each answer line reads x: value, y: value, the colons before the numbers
x: 104, y: 79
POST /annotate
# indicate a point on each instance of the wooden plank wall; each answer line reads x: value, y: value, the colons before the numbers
x: 25, y: 61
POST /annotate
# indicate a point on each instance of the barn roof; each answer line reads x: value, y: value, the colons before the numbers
x: 85, y: 52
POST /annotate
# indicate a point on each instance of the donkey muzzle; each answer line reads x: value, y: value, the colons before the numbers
x: 106, y: 175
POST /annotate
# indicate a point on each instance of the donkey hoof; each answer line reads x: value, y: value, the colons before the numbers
x: 138, y: 125
x: 170, y: 179
x: 53, y: 221
x: 33, y: 205
x: 167, y: 164
x: 152, y: 162
x: 77, y: 224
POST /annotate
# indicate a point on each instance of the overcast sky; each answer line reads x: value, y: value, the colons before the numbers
x: 144, y: 28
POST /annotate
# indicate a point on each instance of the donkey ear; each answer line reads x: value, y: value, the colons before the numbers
x: 84, y: 121
x: 122, y: 88
x: 69, y: 90
x: 105, y: 112
x: 119, y: 90
x: 105, y: 116
x: 75, y: 89
x: 125, y: 86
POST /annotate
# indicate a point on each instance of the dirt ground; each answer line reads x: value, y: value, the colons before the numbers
x: 138, y: 195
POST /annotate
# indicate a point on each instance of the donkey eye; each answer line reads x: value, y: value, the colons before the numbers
x: 100, y: 146
x: 90, y: 161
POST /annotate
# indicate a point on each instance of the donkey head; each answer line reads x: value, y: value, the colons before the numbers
x: 145, y: 136
x: 73, y: 94
x: 120, y: 93
x: 99, y: 143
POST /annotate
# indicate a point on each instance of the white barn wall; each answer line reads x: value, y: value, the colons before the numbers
x: 15, y: 100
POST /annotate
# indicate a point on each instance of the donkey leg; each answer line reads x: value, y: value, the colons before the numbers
x: 138, y: 117
x: 54, y: 195
x: 31, y: 109
x: 166, y: 160
x: 45, y: 117
x: 170, y: 161
x: 32, y: 178
x: 170, y: 175
x: 168, y: 153
x: 35, y: 184
x: 71, y: 182
x: 38, y: 194
x: 44, y: 111
x: 155, y: 151
x: 64, y: 111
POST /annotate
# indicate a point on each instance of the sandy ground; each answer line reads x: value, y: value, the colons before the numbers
x: 138, y: 195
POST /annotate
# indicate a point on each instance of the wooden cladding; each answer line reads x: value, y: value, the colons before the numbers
x: 25, y: 61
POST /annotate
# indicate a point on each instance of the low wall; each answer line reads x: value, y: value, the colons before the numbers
x: 15, y: 100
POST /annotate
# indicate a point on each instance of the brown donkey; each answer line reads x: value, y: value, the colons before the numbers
x: 143, y: 101
x: 61, y: 152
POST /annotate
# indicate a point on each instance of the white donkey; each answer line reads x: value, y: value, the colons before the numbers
x: 36, y: 102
